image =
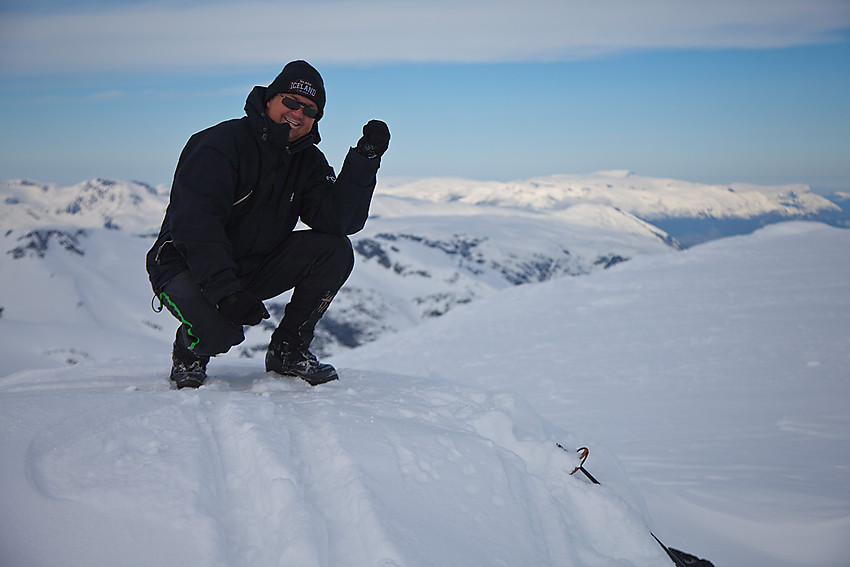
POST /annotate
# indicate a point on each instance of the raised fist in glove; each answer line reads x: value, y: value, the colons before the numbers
x: 375, y: 140
x: 242, y: 308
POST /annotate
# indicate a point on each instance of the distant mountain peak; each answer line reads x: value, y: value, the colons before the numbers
x: 98, y: 202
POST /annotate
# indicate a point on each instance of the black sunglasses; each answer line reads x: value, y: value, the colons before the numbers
x: 293, y: 104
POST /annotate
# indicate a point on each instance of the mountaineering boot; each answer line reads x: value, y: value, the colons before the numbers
x: 291, y: 359
x: 187, y: 370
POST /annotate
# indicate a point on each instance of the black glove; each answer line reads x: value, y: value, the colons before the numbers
x: 375, y: 140
x: 242, y: 308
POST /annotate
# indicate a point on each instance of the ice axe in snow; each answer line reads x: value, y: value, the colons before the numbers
x: 583, y: 453
x: 680, y: 558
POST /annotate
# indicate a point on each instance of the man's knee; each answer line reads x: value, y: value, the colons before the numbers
x: 333, y: 255
x: 338, y: 247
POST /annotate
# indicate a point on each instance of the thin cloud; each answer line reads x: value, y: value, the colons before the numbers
x: 113, y: 94
x: 159, y: 36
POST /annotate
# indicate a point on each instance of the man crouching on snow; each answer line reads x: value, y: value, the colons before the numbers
x: 228, y: 241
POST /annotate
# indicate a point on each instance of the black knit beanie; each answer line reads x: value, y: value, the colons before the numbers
x: 299, y: 77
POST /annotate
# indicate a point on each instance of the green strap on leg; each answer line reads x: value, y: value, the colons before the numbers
x: 174, y: 309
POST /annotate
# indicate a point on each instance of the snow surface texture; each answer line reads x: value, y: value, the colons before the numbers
x: 710, y: 384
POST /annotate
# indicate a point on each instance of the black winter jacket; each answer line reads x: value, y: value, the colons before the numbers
x: 238, y: 192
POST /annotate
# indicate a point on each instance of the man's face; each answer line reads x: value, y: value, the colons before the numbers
x: 299, y: 124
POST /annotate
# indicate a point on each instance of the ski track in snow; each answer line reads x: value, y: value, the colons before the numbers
x: 264, y: 475
x: 257, y: 471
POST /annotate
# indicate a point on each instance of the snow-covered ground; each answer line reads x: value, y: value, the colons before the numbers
x: 711, y: 386
x: 719, y: 377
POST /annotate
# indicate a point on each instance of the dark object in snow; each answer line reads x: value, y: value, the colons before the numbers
x: 683, y: 559
x: 36, y: 242
x: 680, y: 558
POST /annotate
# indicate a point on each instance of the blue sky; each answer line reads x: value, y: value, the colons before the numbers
x: 714, y: 91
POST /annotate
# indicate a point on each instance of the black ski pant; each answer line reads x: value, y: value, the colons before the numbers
x: 312, y: 264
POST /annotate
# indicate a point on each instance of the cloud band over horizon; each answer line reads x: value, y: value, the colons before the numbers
x: 153, y: 35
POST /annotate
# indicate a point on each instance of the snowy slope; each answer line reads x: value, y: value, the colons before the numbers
x: 412, y: 266
x: 717, y: 375
x: 252, y: 471
x: 69, y: 295
x: 710, y: 385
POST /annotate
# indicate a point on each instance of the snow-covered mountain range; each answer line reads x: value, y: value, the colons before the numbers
x: 689, y: 212
x: 429, y: 245
x: 646, y: 197
x: 96, y: 203
x: 132, y: 205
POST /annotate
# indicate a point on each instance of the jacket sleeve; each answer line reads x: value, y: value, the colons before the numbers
x: 202, y: 196
x: 340, y: 205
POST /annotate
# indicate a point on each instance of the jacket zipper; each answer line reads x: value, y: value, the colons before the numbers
x: 159, y: 251
x: 251, y: 192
